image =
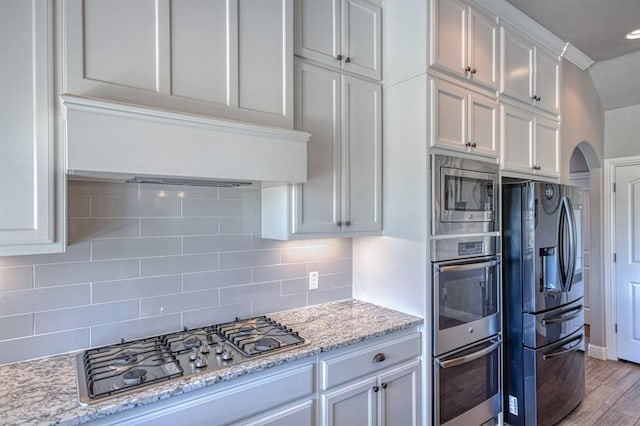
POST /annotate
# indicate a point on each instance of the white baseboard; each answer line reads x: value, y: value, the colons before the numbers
x: 598, y: 352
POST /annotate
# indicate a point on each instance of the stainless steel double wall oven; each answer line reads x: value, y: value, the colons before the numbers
x: 466, y: 291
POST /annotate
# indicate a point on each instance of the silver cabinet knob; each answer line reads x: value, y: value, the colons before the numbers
x: 379, y: 357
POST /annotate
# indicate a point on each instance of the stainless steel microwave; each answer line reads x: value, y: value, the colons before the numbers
x: 465, y: 195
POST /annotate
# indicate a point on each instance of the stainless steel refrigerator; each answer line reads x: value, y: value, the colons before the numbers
x: 543, y: 301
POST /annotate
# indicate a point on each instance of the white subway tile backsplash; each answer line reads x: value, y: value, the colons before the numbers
x: 122, y: 248
x: 83, y: 272
x: 16, y: 326
x: 16, y: 278
x: 209, y: 207
x: 216, y: 279
x: 43, y: 299
x: 165, y: 227
x: 241, y: 259
x: 43, y: 345
x: 83, y: 229
x: 135, y: 329
x: 84, y: 316
x: 150, y: 259
x: 134, y: 207
x: 110, y: 291
x: 216, y: 243
x: 169, y: 265
x: 162, y: 305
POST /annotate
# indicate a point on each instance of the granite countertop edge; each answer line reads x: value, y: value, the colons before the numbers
x: 59, y: 394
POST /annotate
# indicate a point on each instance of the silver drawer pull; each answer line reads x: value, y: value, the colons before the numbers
x: 379, y: 357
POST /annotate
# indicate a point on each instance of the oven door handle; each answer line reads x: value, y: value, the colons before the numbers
x: 562, y: 318
x: 469, y: 266
x: 566, y: 351
x: 471, y: 357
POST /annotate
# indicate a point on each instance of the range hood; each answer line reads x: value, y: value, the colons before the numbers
x: 105, y: 139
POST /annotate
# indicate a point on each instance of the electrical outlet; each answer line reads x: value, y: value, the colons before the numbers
x: 313, y: 280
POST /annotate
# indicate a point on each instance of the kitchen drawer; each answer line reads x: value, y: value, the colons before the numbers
x: 359, y: 362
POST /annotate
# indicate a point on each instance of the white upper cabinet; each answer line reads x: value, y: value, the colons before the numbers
x: 529, y: 72
x: 464, y: 42
x: 342, y: 195
x: 225, y: 58
x: 463, y: 119
x: 530, y: 143
x: 344, y: 34
x: 32, y: 186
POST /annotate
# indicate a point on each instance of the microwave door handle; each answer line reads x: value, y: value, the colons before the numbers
x: 564, y: 352
x: 471, y: 357
x: 469, y: 266
x: 561, y: 318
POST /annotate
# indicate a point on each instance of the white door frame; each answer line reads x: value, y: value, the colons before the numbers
x: 610, y: 287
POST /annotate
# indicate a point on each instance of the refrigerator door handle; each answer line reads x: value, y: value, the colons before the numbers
x: 573, y: 239
x: 566, y: 351
x: 471, y: 357
x: 561, y: 317
x: 566, y: 260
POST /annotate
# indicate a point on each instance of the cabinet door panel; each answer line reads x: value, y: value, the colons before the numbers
x: 483, y: 39
x: 517, y: 65
x: 299, y: 415
x: 202, y: 38
x: 448, y: 115
x: 28, y: 186
x: 351, y: 405
x: 361, y: 38
x: 126, y: 56
x: 263, y: 58
x: 547, y: 138
x: 400, y: 389
x: 362, y: 152
x: 517, y: 139
x: 483, y: 117
x: 547, y: 85
x: 449, y: 38
x: 318, y: 30
x: 317, y: 202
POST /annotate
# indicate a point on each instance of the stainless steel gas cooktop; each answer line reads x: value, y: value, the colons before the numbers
x: 112, y: 370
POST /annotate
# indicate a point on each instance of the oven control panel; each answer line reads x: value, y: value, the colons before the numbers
x: 471, y: 248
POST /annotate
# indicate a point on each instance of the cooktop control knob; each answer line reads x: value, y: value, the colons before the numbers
x: 205, y: 348
x: 194, y: 354
x: 201, y: 361
x: 219, y: 348
x: 227, y: 355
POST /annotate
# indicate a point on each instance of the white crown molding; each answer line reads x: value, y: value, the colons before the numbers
x: 514, y: 17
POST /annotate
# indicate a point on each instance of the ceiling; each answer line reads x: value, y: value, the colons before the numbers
x: 596, y: 27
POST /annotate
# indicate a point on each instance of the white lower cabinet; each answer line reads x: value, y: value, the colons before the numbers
x: 382, y: 385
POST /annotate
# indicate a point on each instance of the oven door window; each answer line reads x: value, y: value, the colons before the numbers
x: 467, y: 191
x: 466, y: 293
x: 467, y: 379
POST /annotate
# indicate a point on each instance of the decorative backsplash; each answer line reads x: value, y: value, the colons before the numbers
x: 149, y: 259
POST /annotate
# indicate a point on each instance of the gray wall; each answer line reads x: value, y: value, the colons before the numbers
x: 583, y: 124
x: 622, y: 132
x: 147, y: 259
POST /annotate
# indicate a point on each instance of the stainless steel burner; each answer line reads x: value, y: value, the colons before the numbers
x: 266, y: 344
x: 192, y: 342
x: 125, y: 358
x: 134, y: 377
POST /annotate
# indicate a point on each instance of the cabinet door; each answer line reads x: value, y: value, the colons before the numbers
x: 318, y: 31
x: 483, y: 124
x: 362, y: 151
x: 547, y: 147
x: 482, y: 52
x: 516, y: 65
x: 449, y: 35
x: 547, y: 80
x: 28, y: 175
x: 317, y: 203
x: 351, y: 405
x: 400, y: 395
x: 362, y: 38
x: 449, y: 110
x: 301, y: 414
x: 516, y: 141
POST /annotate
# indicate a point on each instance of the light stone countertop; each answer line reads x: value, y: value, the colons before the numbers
x: 44, y: 392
